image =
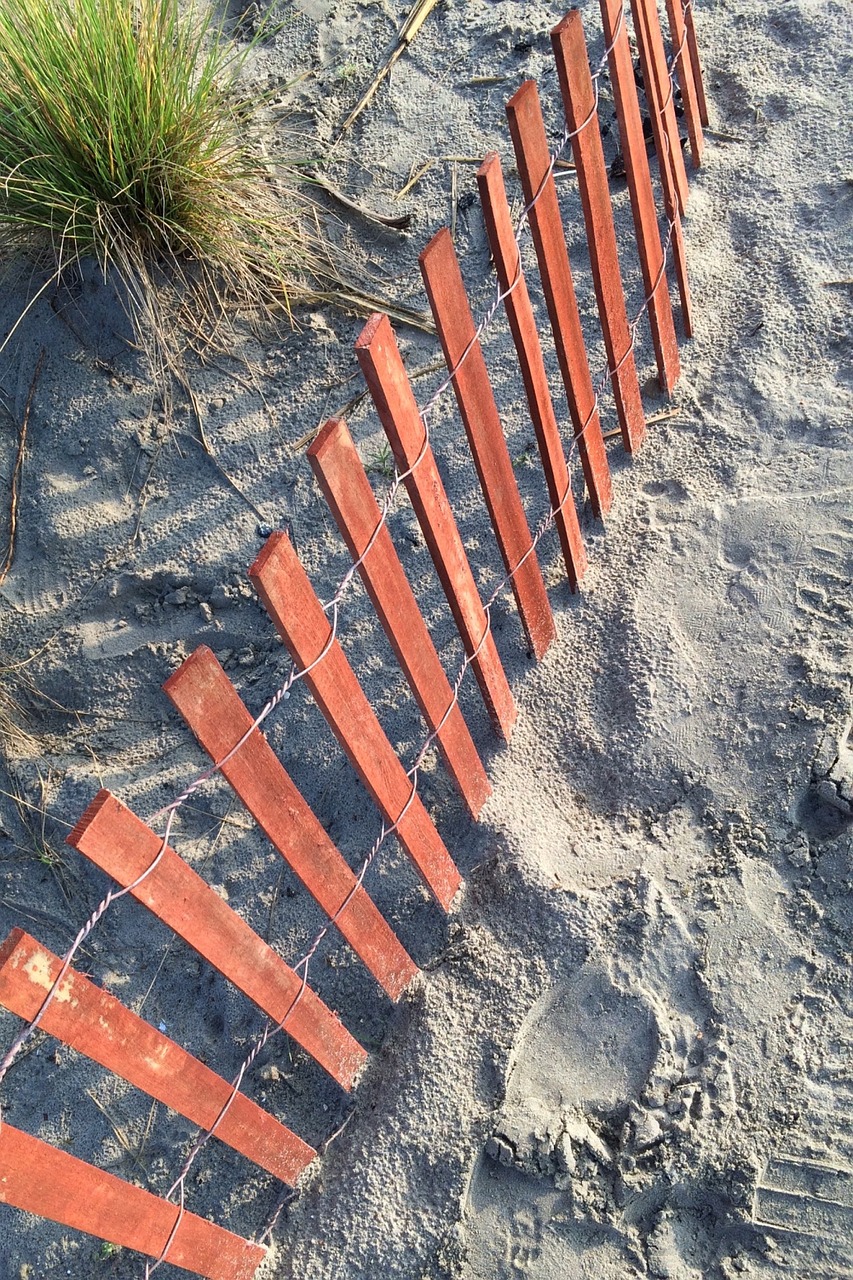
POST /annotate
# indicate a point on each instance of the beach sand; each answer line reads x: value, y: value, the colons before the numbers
x: 629, y: 1051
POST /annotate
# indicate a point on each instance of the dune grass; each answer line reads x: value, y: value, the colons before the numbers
x: 126, y: 135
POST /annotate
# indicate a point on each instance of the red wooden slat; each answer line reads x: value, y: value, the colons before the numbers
x: 38, y: 1178
x: 684, y: 71
x: 640, y: 182
x: 693, y: 49
x: 124, y: 847
x: 392, y: 394
x: 659, y: 95
x: 212, y: 708
x: 569, y: 46
x: 98, y: 1025
x: 335, y: 462
x: 667, y: 145
x: 289, y: 599
x: 531, y: 153
x: 457, y: 333
x: 526, y: 338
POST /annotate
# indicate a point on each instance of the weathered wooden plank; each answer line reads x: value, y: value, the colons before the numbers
x: 533, y: 159
x: 686, y: 80
x: 693, y: 50
x: 525, y: 335
x: 95, y: 1023
x: 339, y: 472
x: 121, y: 844
x: 633, y: 146
x: 475, y: 398
x: 392, y: 394
x: 659, y: 95
x: 212, y: 708
x: 569, y: 47
x: 290, y: 600
x: 667, y: 143
x: 38, y: 1178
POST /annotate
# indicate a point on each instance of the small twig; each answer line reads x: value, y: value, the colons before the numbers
x: 354, y: 402
x: 333, y: 1137
x: 414, y: 178
x: 358, y: 302
x: 343, y: 412
x: 837, y: 284
x: 232, y: 484
x: 483, y: 80
x: 143, y: 492
x: 397, y: 223
x: 434, y: 367
x: 664, y: 415
x: 415, y: 19
x: 454, y: 182
x: 29, y: 912
x: 121, y: 1136
x: 16, y: 473
x: 724, y: 137
x: 206, y: 446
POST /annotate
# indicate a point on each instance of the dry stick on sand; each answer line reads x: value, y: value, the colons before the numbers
x: 415, y: 176
x: 16, y: 473
x: 397, y: 223
x: 454, y: 198
x: 663, y: 416
x: 353, y: 403
x: 415, y: 19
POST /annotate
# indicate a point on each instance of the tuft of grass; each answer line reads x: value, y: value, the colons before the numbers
x: 381, y: 463
x: 126, y: 135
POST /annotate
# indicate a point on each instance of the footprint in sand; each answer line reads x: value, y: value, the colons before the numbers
x: 602, y: 1159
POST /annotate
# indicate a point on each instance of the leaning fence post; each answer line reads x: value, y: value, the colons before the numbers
x: 579, y: 104
x: 214, y: 711
x: 339, y: 472
x: 121, y: 844
x: 473, y: 389
x: 652, y: 258
x: 529, y: 350
x: 695, y: 63
x: 280, y: 580
x: 673, y: 175
x: 684, y: 70
x: 38, y: 1178
x: 95, y: 1023
x: 659, y: 95
x: 537, y: 181
x: 388, y: 383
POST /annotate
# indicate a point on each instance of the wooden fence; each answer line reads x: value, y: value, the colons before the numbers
x: 37, y: 985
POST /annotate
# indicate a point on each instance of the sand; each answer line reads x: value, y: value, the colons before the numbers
x: 629, y: 1050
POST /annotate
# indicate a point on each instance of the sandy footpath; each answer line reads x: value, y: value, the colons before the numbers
x: 629, y: 1053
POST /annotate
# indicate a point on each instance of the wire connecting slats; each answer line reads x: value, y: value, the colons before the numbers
x: 282, y: 583
x: 579, y: 104
x: 392, y: 394
x: 123, y: 846
x: 36, y: 1177
x: 534, y: 166
x: 475, y: 398
x: 95, y: 1023
x: 212, y: 708
x: 337, y: 467
x: 528, y: 348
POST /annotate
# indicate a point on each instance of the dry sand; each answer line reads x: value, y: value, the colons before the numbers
x: 629, y: 1053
